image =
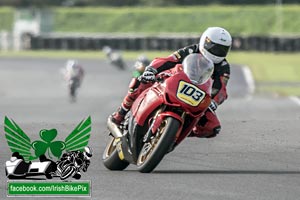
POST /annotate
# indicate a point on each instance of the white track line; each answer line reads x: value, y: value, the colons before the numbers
x: 251, y: 84
x: 295, y: 99
x: 249, y: 79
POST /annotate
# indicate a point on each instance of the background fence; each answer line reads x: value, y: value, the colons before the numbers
x: 250, y: 43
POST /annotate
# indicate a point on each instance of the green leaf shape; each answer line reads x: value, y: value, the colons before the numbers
x: 16, y: 138
x: 57, y: 147
x: 40, y: 147
x: 48, y: 135
x: 79, y: 137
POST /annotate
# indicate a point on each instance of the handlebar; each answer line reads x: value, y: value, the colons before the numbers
x: 159, y: 78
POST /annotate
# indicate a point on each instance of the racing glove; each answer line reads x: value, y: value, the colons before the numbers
x: 213, y: 105
x: 148, y: 75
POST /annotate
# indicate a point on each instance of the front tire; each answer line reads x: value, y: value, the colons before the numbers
x: 67, y: 172
x: 153, y: 152
x: 111, y: 158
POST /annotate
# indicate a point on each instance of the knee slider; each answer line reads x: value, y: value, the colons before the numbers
x: 216, y: 131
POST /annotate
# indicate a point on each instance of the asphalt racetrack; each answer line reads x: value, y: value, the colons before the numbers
x: 256, y: 155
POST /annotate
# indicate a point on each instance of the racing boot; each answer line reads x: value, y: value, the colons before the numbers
x: 204, y: 132
x: 118, y: 116
x: 207, y: 127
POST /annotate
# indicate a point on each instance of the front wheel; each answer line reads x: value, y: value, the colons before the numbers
x: 153, y: 151
x: 111, y: 158
x: 67, y: 172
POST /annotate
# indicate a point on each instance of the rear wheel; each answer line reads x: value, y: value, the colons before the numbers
x: 153, y: 151
x: 111, y: 158
x: 72, y: 91
x: 48, y: 176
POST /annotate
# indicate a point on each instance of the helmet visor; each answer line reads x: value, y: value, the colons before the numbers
x: 216, y: 49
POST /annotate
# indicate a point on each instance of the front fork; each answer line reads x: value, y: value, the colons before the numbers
x: 156, y: 123
x: 158, y: 119
x: 147, y: 137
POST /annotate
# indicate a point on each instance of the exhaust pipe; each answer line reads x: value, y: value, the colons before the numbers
x: 114, y: 129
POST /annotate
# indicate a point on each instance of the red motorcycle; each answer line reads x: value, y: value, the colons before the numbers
x: 161, y: 117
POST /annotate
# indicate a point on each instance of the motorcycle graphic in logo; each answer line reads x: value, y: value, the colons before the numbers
x: 73, y: 154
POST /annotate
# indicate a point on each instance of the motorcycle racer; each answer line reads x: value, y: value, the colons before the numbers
x: 214, y: 44
x: 73, y: 74
x: 74, y: 70
x: 80, y: 159
x: 139, y: 66
x: 115, y: 57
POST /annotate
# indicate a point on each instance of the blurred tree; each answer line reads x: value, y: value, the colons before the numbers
x: 157, y: 2
x: 41, y: 3
x: 115, y: 2
x: 27, y: 3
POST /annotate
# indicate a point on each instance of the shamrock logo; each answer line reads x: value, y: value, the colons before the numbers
x: 18, y: 140
x: 56, y: 147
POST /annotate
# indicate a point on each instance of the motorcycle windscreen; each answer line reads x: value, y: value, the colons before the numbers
x: 198, y: 68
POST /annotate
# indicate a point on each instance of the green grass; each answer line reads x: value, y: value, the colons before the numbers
x: 270, y: 67
x: 239, y: 20
x: 6, y: 18
x: 282, y: 91
x: 267, y: 68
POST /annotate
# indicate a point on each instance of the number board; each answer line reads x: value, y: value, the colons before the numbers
x: 189, y: 93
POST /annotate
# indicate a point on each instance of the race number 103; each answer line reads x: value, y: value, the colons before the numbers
x: 189, y: 93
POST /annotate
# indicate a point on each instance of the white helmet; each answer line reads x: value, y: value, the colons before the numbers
x: 72, y: 64
x: 87, y: 152
x: 215, y: 43
x: 141, y: 63
x: 107, y: 50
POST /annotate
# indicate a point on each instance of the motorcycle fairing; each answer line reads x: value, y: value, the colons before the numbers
x: 146, y: 103
x: 192, y: 98
x: 181, y: 94
x: 189, y: 93
x: 130, y: 142
x: 175, y: 91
